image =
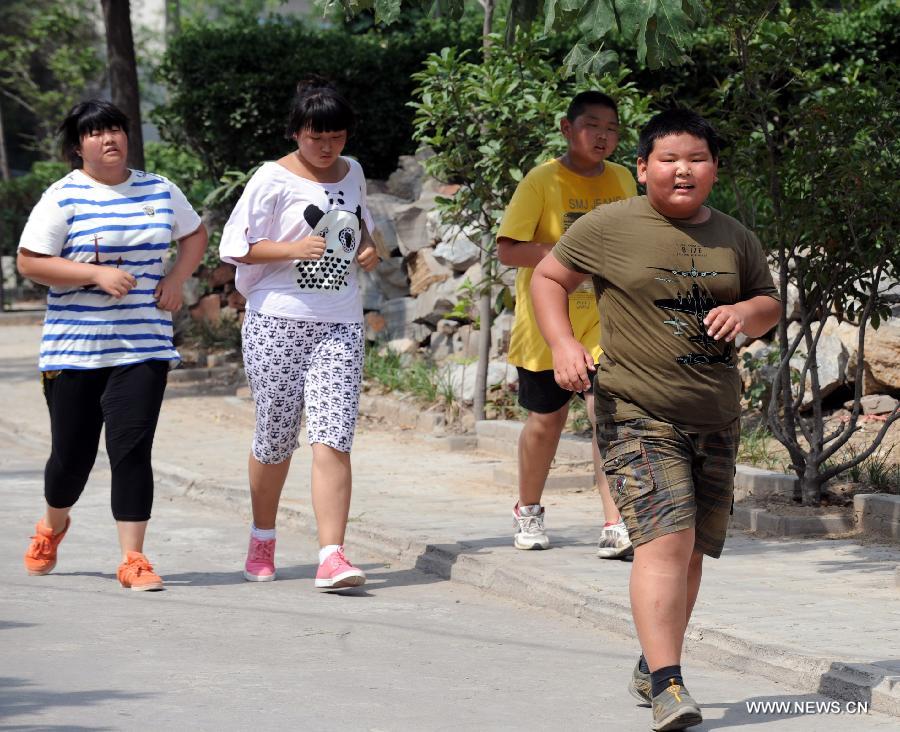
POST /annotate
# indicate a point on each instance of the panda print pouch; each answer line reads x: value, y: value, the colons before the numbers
x: 341, y: 231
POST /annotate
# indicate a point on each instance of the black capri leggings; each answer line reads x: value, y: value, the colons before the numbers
x: 127, y: 400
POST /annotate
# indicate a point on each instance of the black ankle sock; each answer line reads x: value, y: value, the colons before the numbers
x: 663, y: 677
x: 642, y: 665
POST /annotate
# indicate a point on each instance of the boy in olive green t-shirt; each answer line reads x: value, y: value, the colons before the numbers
x: 677, y: 282
x: 546, y: 202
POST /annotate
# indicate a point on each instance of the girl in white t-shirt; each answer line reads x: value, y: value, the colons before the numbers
x: 296, y: 236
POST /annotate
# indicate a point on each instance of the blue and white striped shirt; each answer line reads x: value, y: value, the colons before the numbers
x: 130, y: 226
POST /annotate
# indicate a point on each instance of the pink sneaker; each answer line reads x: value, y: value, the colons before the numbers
x: 336, y: 572
x: 260, y: 564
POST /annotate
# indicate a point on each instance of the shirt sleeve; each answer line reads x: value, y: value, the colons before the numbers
x: 46, y: 229
x: 523, y: 214
x: 581, y: 247
x: 187, y: 220
x: 757, y: 277
x: 251, y: 219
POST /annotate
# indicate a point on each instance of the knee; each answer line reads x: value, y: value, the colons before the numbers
x: 548, y: 424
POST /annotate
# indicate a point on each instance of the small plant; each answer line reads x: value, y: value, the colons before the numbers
x: 757, y: 392
x: 416, y: 376
x: 578, y: 417
x: 754, y: 448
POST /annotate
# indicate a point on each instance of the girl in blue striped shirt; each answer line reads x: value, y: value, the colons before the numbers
x: 98, y: 238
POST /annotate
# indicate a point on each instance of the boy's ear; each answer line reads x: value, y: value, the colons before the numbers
x: 313, y: 215
x: 641, y: 170
x: 565, y: 126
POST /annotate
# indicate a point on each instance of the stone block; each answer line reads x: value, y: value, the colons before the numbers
x: 221, y: 275
x: 391, y: 278
x: 878, y: 514
x: 190, y: 291
x: 371, y: 294
x: 456, y: 249
x: 399, y: 315
x: 875, y: 404
x: 406, y: 181
x: 208, y: 308
x: 461, y: 377
x: 424, y: 271
x: 447, y: 327
x: 465, y: 342
x: 402, y: 345
x: 759, y: 483
x: 882, y: 354
x: 236, y: 301
x: 440, y: 345
x: 375, y: 326
x: 501, y: 329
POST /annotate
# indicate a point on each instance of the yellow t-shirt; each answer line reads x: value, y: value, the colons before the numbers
x: 546, y: 202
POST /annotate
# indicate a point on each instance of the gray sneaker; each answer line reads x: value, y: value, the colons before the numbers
x: 639, y: 686
x: 674, y: 708
x: 614, y: 542
x: 529, y: 525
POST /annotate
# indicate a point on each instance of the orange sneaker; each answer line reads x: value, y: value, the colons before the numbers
x: 41, y: 555
x: 136, y: 573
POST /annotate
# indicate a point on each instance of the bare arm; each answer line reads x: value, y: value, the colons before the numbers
x: 190, y: 251
x: 61, y: 272
x: 514, y: 253
x: 367, y: 254
x: 550, y: 287
x: 266, y: 251
x: 754, y: 317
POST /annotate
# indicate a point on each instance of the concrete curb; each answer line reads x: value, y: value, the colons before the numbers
x: 460, y: 562
x: 878, y: 513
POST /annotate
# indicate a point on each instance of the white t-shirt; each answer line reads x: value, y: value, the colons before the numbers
x: 280, y: 206
x: 130, y: 226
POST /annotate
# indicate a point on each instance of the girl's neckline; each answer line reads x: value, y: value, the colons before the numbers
x: 94, y: 182
x: 290, y: 172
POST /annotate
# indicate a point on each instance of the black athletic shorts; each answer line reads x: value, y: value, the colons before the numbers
x: 539, y: 392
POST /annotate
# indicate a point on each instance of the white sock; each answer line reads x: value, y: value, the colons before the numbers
x: 327, y: 551
x: 261, y: 534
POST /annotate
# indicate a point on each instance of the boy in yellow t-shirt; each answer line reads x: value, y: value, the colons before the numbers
x: 547, y: 201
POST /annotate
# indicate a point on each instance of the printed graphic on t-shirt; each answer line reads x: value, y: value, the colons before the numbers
x: 694, y: 302
x: 341, y: 231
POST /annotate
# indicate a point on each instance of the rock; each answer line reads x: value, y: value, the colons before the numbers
x: 402, y: 345
x: 375, y: 326
x: 447, y: 327
x: 831, y: 362
x: 371, y: 294
x: 221, y: 275
x: 208, y: 308
x: 435, y: 303
x: 392, y: 279
x: 228, y: 313
x: 875, y: 404
x: 411, y: 224
x: 398, y: 316
x: 236, y: 301
x: 441, y: 345
x: 882, y: 354
x: 383, y: 208
x: 190, y: 291
x: 500, y: 333
x: 375, y: 187
x: 424, y: 271
x: 406, y: 181
x: 461, y: 377
x: 473, y: 274
x: 457, y: 250
x: 465, y: 342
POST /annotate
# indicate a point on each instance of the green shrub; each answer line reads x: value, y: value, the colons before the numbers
x: 230, y: 87
x: 17, y: 198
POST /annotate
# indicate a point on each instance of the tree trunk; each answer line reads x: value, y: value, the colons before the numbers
x: 4, y: 160
x: 811, y: 485
x: 123, y: 79
x: 486, y: 317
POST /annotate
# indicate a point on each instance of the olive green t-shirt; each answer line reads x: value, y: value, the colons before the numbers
x: 656, y: 279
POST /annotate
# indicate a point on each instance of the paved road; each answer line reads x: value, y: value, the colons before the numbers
x: 212, y: 652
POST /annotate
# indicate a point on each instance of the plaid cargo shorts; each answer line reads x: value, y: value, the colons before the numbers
x: 664, y: 479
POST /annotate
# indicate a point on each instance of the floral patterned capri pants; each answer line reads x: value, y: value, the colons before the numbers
x: 294, y: 365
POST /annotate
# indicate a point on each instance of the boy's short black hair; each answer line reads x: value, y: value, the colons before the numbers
x: 675, y: 122
x: 84, y: 118
x: 585, y: 99
x: 319, y: 107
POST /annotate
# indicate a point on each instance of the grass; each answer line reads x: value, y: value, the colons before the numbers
x: 754, y: 448
x: 415, y: 376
